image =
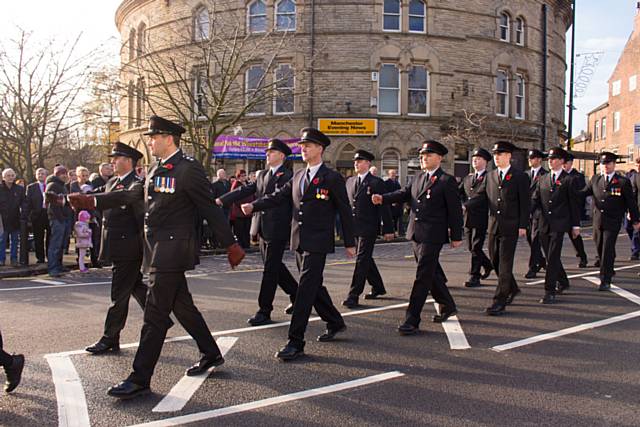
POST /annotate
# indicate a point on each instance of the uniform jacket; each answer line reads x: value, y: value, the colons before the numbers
x: 177, y: 197
x: 392, y: 185
x: 535, y: 212
x: 314, y: 212
x: 611, y: 202
x: 636, y: 187
x: 272, y: 224
x: 473, y: 193
x: 11, y: 203
x: 508, y: 202
x: 558, y: 203
x: 579, y: 182
x: 366, y: 215
x: 55, y: 186
x: 34, y: 201
x: 436, y: 211
x: 123, y: 226
x: 83, y: 235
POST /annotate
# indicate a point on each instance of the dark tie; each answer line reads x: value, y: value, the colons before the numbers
x: 269, y: 175
x: 533, y: 174
x: 358, y: 182
x: 501, y: 176
x: 305, y: 183
x: 553, y: 180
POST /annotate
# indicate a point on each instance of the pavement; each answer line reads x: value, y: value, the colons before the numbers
x: 573, y: 363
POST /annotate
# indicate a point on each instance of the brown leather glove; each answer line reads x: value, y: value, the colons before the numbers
x: 235, y: 254
x: 80, y: 201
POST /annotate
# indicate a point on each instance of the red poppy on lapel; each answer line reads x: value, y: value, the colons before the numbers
x: 434, y: 179
x: 537, y: 177
x: 279, y: 174
x: 480, y: 178
x: 614, y: 180
x: 508, y: 177
x: 168, y: 166
x: 558, y: 182
x: 316, y: 181
x: 119, y: 187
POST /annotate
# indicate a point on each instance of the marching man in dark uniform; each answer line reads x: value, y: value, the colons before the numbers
x: 274, y: 229
x: 536, y: 173
x: 612, y: 199
x: 436, y: 218
x: 473, y: 192
x: 366, y: 221
x: 317, y: 192
x: 122, y: 243
x: 559, y: 203
x: 508, y: 195
x: 579, y: 182
x: 176, y: 194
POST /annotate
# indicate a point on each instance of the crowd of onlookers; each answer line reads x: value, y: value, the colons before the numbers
x: 27, y: 211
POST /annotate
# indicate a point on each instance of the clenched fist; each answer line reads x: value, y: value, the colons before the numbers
x: 376, y: 199
x: 247, y: 208
x: 235, y: 254
x: 80, y: 201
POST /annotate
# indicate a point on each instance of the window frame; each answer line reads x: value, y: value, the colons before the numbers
x: 399, y: 15
x: 399, y: 89
x: 616, y: 88
x: 519, y: 28
x: 633, y: 82
x: 199, y: 74
x: 596, y: 130
x: 141, y: 43
x: 275, y: 90
x: 501, y: 27
x: 505, y: 94
x: 520, y: 97
x: 198, y: 33
x: 294, y: 13
x: 423, y: 16
x: 617, y: 118
x: 631, y: 152
x: 132, y: 43
x: 247, y: 90
x: 603, y: 128
x: 427, y: 92
x: 249, y: 16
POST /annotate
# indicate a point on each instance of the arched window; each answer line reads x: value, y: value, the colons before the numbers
x: 284, y: 83
x: 520, y: 25
x: 286, y: 15
x: 520, y: 96
x: 132, y: 44
x: 257, y: 17
x: 140, y: 100
x: 130, y: 104
x: 200, y: 86
x: 417, y: 16
x: 201, y: 24
x: 505, y: 27
x: 142, y: 37
x: 389, y: 90
x: 502, y: 93
x: 391, y: 16
x: 254, y: 89
x: 418, y: 90
x: 390, y: 161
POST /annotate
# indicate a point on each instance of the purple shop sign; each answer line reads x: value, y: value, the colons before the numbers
x: 241, y: 147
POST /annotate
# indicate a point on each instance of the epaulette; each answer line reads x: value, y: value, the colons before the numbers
x: 190, y: 159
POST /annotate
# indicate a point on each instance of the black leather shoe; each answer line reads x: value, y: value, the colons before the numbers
x: 444, y: 314
x: 634, y: 258
x: 583, y: 263
x: 407, y: 329
x: 472, y: 284
x: 496, y: 309
x: 487, y: 272
x: 604, y: 286
x: 102, y: 347
x: 350, y: 302
x: 289, y: 352
x: 548, y: 299
x: 543, y: 265
x: 562, y: 287
x: 374, y: 294
x: 205, y: 363
x: 14, y: 373
x: 330, y: 334
x: 597, y: 263
x: 259, y: 319
x: 513, y: 296
x: 289, y: 309
x: 127, y: 390
x: 531, y: 274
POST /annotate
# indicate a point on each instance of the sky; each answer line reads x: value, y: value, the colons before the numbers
x: 601, y: 26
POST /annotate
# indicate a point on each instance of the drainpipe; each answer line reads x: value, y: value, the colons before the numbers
x: 313, y: 52
x: 545, y: 52
x: 573, y: 52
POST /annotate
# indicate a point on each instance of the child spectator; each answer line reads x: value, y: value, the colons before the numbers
x: 83, y: 238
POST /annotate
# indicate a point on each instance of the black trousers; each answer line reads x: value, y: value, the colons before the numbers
x: 502, y: 250
x: 366, y: 268
x: 578, y: 245
x: 126, y: 282
x: 5, y: 358
x: 96, y: 231
x: 536, y: 259
x: 429, y: 278
x: 311, y: 293
x: 275, y: 274
x: 475, y: 241
x: 606, y: 246
x: 168, y: 292
x: 241, y: 229
x: 41, y: 235
x: 552, y: 245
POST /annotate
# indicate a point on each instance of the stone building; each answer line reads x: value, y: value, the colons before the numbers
x: 615, y: 125
x: 467, y: 72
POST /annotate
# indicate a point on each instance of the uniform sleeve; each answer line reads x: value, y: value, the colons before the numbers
x: 385, y: 211
x: 629, y: 200
x: 199, y: 191
x: 523, y: 197
x: 536, y: 202
x: 587, y: 189
x: 113, y: 199
x: 454, y: 210
x: 270, y: 201
x: 238, y: 194
x: 402, y: 195
x: 574, y: 204
x: 341, y: 202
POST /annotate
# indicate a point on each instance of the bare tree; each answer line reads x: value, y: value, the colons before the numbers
x: 216, y: 75
x: 466, y: 127
x: 39, y: 88
x: 100, y: 111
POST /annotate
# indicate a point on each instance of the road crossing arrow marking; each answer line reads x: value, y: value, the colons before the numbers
x: 182, y: 392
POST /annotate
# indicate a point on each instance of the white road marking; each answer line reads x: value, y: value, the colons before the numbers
x: 72, y: 404
x: 182, y: 392
x: 48, y: 282
x: 68, y: 285
x: 455, y: 334
x: 589, y: 273
x: 566, y: 331
x: 615, y: 289
x: 278, y: 400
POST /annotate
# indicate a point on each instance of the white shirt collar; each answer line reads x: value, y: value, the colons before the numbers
x: 610, y: 175
x: 313, y: 170
x: 166, y: 159
x: 431, y: 172
x: 122, y: 178
x: 274, y: 169
x: 536, y: 170
x: 504, y: 170
x: 480, y: 173
x: 362, y: 176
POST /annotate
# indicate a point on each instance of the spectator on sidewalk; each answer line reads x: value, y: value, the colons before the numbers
x: 11, y: 203
x: 391, y: 185
x: 82, y: 185
x: 83, y: 233
x: 106, y: 172
x: 221, y: 186
x: 35, y: 210
x: 59, y: 214
x: 240, y: 222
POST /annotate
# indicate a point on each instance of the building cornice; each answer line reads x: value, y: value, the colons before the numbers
x: 125, y: 8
